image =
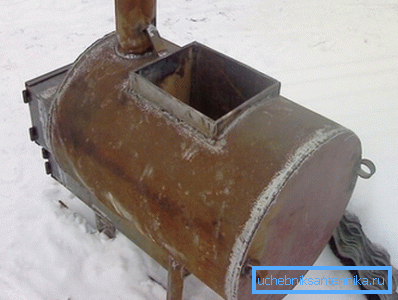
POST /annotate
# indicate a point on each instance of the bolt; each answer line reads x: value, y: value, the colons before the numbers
x: 247, y: 267
x: 47, y: 165
x: 25, y: 95
x: 45, y: 153
x: 33, y: 133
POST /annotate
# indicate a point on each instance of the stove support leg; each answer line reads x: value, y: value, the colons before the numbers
x: 104, y: 225
x: 175, y: 283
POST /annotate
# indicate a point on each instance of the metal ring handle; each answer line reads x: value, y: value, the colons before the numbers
x: 368, y: 164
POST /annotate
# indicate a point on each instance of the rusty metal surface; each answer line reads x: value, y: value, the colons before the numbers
x: 203, y: 88
x: 271, y: 189
x: 117, y: 68
x: 133, y: 17
x: 39, y: 95
x: 308, y: 207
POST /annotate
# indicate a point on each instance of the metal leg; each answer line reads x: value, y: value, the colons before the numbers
x: 104, y: 225
x: 175, y: 284
x: 350, y: 244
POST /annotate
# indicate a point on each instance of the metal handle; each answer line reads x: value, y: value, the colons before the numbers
x: 369, y: 165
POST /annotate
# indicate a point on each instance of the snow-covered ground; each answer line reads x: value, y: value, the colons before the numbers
x: 338, y: 58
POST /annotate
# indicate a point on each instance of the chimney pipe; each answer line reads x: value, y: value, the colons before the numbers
x: 133, y: 17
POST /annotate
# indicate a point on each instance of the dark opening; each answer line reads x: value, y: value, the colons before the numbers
x: 206, y: 80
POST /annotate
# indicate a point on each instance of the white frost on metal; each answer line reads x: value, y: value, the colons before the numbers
x: 148, y: 171
x: 189, y: 153
x: 48, y: 93
x: 118, y: 207
x: 263, y: 203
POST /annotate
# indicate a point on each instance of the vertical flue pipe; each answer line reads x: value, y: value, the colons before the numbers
x: 132, y: 19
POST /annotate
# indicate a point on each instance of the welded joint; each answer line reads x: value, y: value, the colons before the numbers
x: 156, y: 40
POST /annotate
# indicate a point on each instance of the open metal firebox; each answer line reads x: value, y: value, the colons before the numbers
x: 196, y: 157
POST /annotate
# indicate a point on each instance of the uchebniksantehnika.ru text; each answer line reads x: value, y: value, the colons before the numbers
x: 333, y: 281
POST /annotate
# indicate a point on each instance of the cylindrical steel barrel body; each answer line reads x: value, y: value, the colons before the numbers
x: 270, y: 191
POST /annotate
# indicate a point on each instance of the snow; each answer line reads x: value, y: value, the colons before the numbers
x: 338, y: 58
